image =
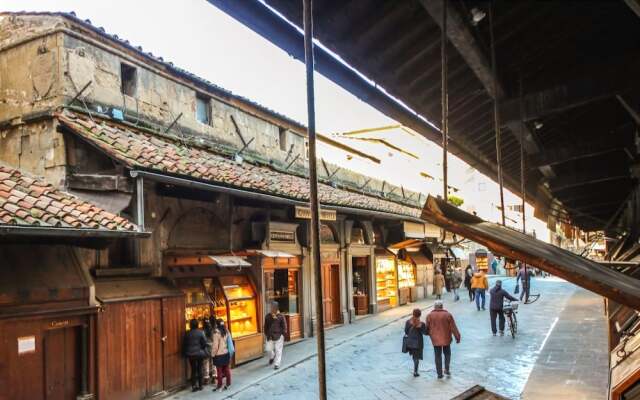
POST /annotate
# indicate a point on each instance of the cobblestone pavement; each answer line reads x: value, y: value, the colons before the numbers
x: 365, y: 362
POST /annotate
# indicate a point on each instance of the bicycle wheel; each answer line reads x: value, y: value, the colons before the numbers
x: 512, y: 325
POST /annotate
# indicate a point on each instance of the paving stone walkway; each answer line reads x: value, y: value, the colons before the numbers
x: 365, y: 362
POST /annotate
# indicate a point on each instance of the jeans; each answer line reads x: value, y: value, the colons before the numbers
x: 472, y: 294
x: 479, y: 295
x: 223, y: 371
x: 437, y: 351
x: 455, y: 294
x: 493, y: 315
x: 196, y: 371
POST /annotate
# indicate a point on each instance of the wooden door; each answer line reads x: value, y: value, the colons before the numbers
x: 173, y: 328
x: 62, y: 364
x: 331, y: 293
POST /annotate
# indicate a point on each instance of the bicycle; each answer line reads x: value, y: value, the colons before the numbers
x: 510, y: 310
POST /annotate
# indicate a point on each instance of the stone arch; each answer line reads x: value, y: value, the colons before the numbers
x: 199, y: 228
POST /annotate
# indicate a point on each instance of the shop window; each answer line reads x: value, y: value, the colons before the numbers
x: 281, y: 285
x: 203, y: 109
x: 407, y: 274
x: 282, y: 138
x: 241, y: 299
x: 128, y: 79
x: 386, y: 283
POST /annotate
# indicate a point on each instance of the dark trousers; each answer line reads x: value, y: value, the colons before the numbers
x: 494, y: 314
x: 223, y: 371
x: 196, y: 371
x: 472, y: 293
x: 437, y: 351
x: 524, y: 293
x: 416, y: 361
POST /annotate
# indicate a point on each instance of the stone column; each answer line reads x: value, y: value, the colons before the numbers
x: 349, y: 283
x: 373, y: 300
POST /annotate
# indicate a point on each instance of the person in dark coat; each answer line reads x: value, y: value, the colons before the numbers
x: 194, y: 348
x: 275, y: 328
x: 498, y: 294
x: 413, y: 330
x: 468, y: 274
x: 524, y: 277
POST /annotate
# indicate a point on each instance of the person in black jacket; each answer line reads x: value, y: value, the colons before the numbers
x: 468, y: 273
x: 413, y: 330
x: 194, y: 348
x: 275, y: 328
x: 498, y: 295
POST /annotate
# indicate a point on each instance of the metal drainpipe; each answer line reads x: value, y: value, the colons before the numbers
x: 522, y: 165
x: 496, y: 113
x: 444, y: 101
x: 84, y: 361
x: 313, y: 189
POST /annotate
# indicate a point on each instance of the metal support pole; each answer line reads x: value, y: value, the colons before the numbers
x: 523, y: 192
x: 84, y: 361
x: 313, y: 190
x: 444, y: 101
x: 496, y: 113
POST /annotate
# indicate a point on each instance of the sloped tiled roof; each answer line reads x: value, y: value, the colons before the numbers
x: 139, y: 149
x: 28, y: 201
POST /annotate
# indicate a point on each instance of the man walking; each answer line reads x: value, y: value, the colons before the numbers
x: 495, y: 306
x: 440, y: 327
x: 275, y: 327
x: 524, y: 276
x: 479, y: 284
x: 456, y: 282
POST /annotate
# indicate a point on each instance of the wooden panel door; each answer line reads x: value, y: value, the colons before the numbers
x: 173, y: 328
x: 335, y: 294
x: 62, y: 364
x: 326, y: 293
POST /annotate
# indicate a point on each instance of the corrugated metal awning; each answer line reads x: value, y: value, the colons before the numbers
x: 458, y: 253
x: 514, y: 244
x: 230, y: 261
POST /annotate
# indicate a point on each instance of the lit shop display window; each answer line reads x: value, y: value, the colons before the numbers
x: 241, y: 299
x: 386, y: 282
x: 406, y: 274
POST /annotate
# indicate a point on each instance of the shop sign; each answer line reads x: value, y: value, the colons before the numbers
x: 59, y: 324
x: 325, y: 215
x: 26, y: 344
x: 282, y: 236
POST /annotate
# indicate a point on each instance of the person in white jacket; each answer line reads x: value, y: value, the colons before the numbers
x: 221, y: 355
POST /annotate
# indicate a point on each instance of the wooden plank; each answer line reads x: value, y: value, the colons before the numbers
x: 173, y: 328
x: 100, y: 182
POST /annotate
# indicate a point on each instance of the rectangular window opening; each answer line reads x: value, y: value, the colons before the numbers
x: 282, y: 138
x: 128, y: 79
x: 203, y: 109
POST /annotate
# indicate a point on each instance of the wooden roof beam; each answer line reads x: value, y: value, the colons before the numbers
x: 634, y: 5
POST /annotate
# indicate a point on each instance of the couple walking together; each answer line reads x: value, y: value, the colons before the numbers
x: 440, y: 327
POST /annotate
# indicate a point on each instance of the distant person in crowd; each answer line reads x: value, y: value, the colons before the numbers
x: 275, y: 328
x: 479, y: 284
x: 441, y: 327
x: 494, y: 265
x: 524, y: 277
x: 498, y: 294
x: 456, y: 282
x: 194, y: 348
x: 468, y: 274
x: 221, y: 354
x: 208, y: 369
x: 448, y: 277
x: 414, y: 342
x: 438, y: 284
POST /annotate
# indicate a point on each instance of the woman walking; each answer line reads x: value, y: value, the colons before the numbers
x: 438, y: 284
x: 413, y: 330
x: 194, y: 348
x: 221, y: 355
x: 468, y: 274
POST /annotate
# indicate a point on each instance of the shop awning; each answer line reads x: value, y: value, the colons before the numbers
x: 115, y: 290
x: 514, y: 244
x: 458, y: 253
x: 419, y: 258
x: 275, y: 254
x: 230, y: 261
x: 407, y: 243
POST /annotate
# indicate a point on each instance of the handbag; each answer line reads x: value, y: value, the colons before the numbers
x: 404, y: 344
x: 517, y: 289
x: 230, y: 347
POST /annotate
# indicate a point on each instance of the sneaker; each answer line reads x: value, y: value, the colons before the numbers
x: 215, y: 389
x: 483, y: 309
x: 494, y: 334
x: 501, y: 333
x: 440, y: 376
x: 447, y: 373
x: 194, y: 389
x: 276, y: 367
x: 226, y: 387
x: 270, y: 361
x: 415, y: 374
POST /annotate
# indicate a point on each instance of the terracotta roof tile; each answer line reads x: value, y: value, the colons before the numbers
x: 162, y: 154
x: 25, y: 200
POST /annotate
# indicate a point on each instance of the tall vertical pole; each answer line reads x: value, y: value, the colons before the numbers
x: 444, y: 101
x: 313, y: 190
x: 496, y: 113
x: 523, y: 192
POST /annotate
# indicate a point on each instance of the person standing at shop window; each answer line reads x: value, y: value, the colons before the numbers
x: 221, y: 354
x: 194, y: 347
x: 275, y: 328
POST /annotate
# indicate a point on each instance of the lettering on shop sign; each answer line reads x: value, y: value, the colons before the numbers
x: 59, y: 324
x: 282, y: 236
x: 325, y: 215
x: 26, y: 344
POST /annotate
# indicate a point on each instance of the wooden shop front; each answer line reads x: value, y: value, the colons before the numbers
x: 46, y: 319
x: 331, y: 280
x: 222, y: 287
